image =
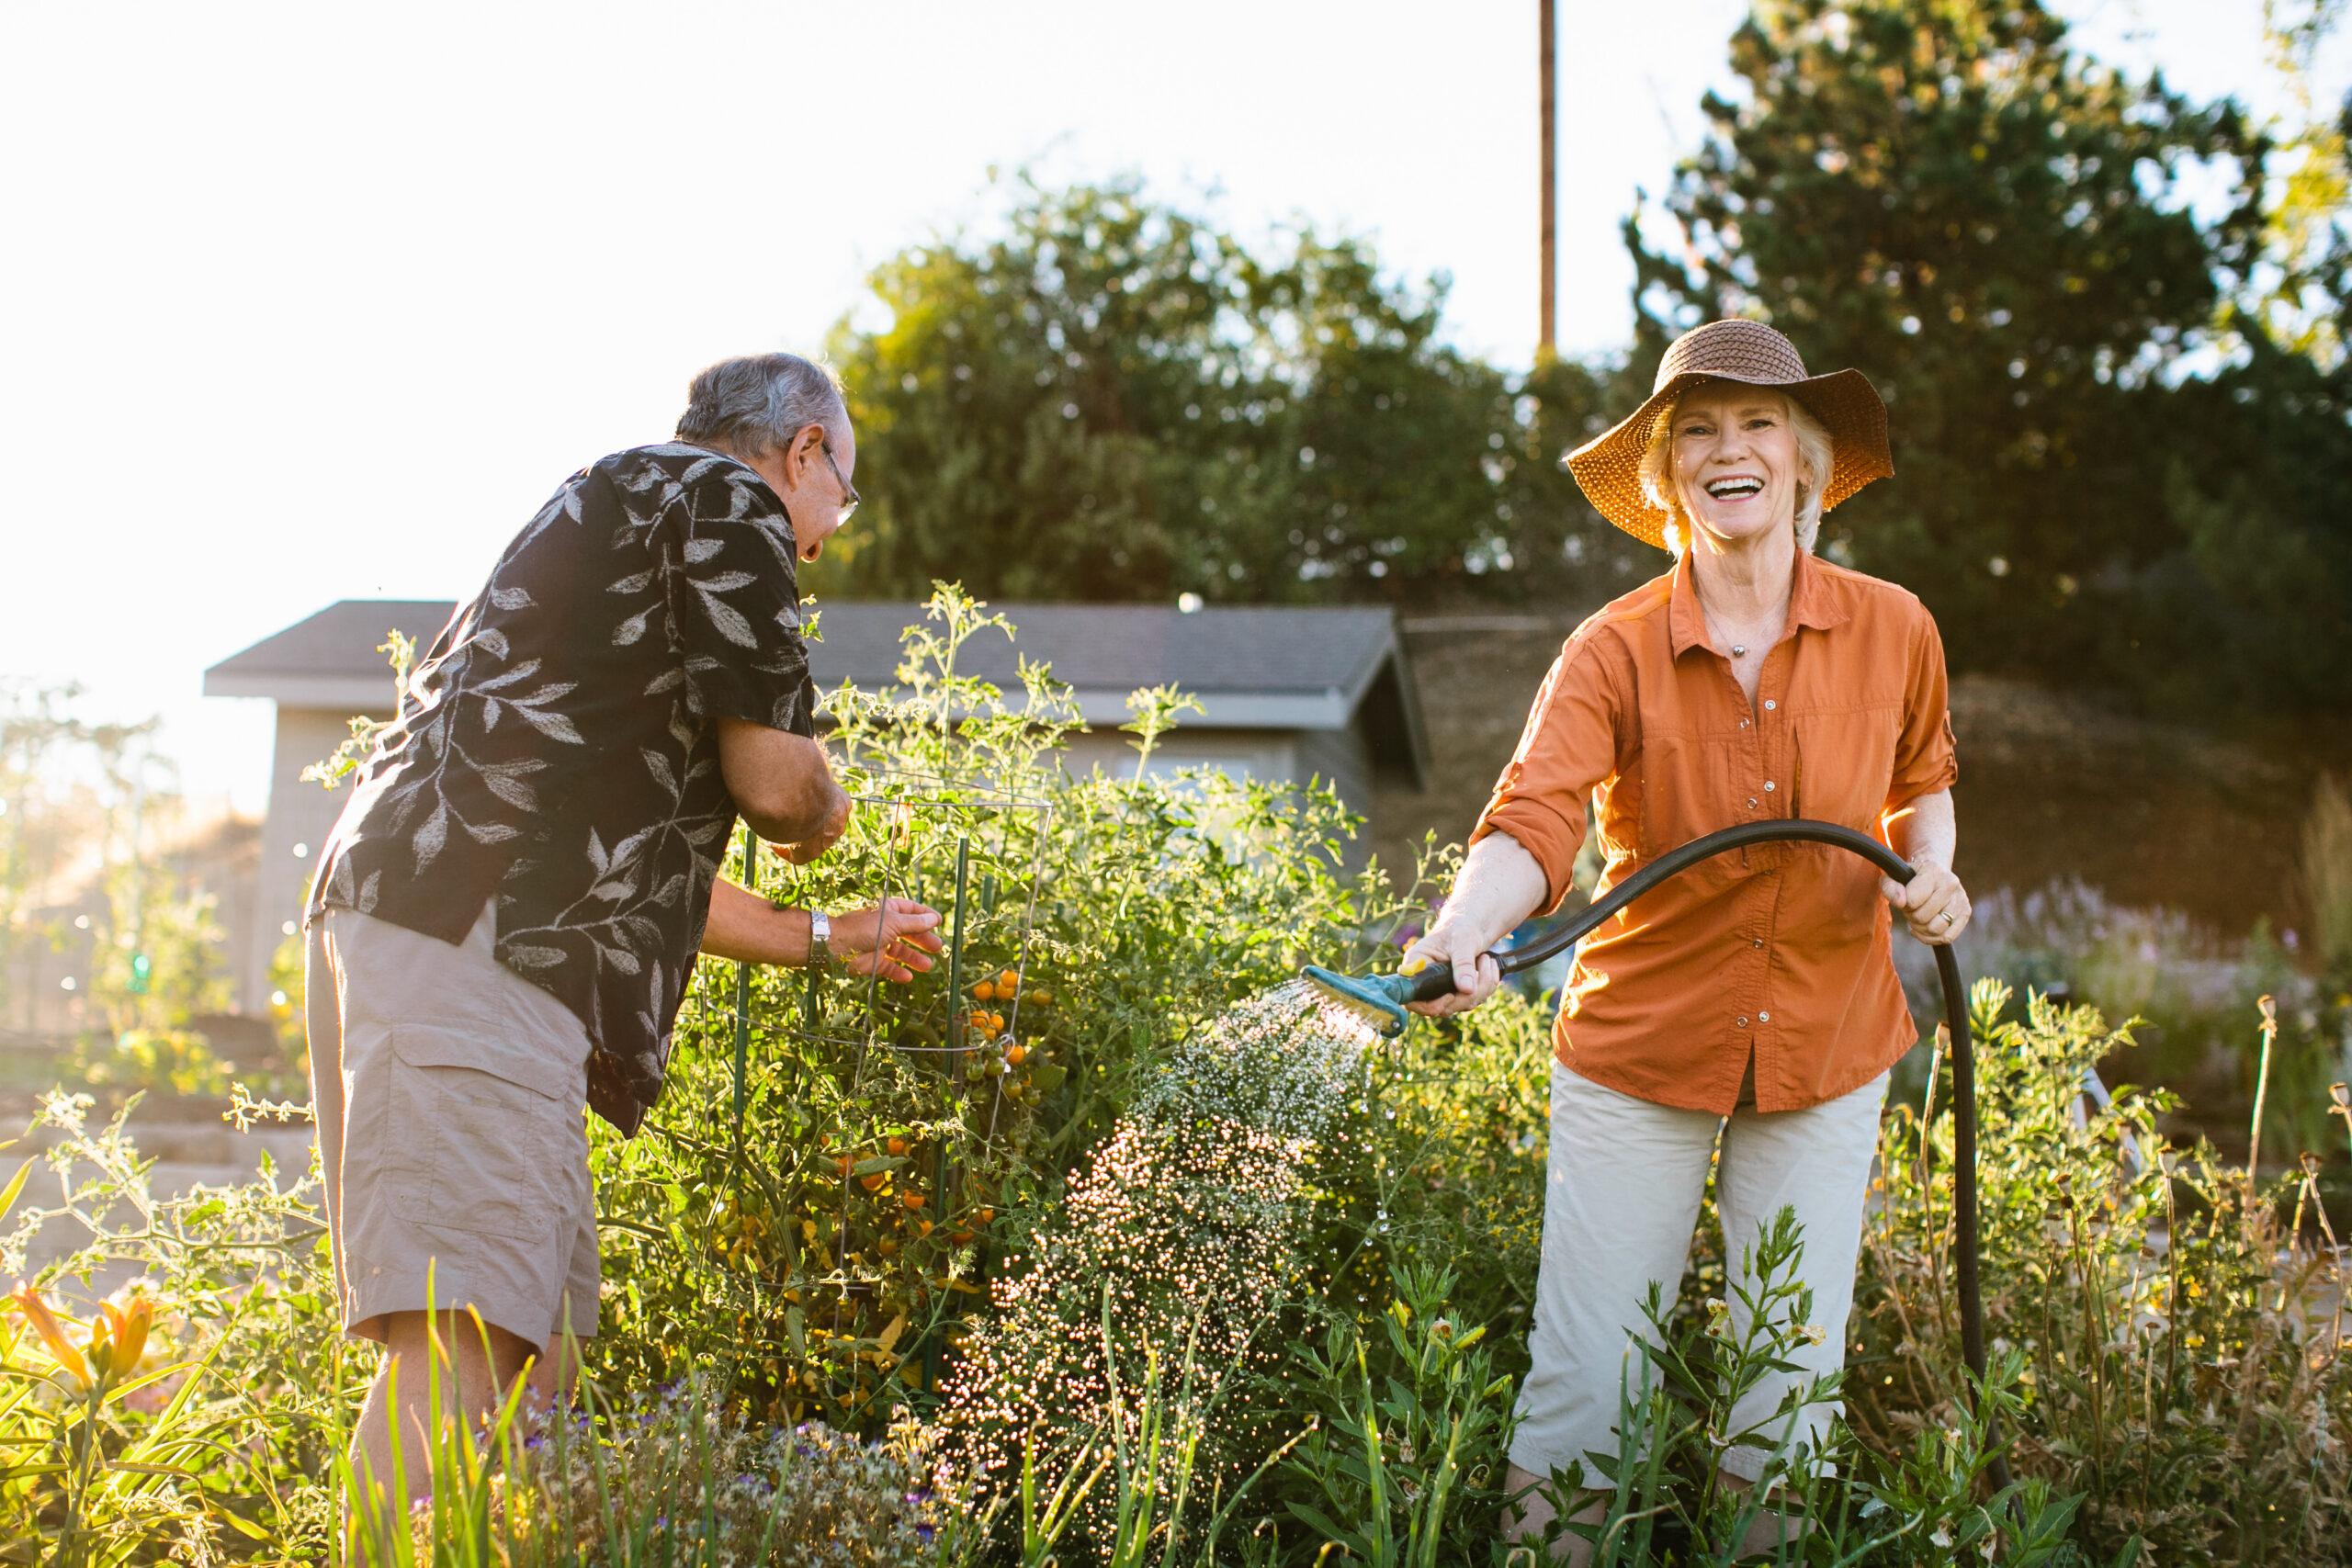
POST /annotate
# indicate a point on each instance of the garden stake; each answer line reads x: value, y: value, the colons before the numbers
x: 744, y: 999
x: 953, y: 1061
x: 1386, y: 995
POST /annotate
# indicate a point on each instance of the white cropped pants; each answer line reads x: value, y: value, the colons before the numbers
x: 1621, y: 1201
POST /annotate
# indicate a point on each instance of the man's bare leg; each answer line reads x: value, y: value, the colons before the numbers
x: 472, y: 1385
x: 1525, y: 1525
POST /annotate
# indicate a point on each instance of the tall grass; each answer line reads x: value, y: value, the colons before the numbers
x: 2327, y: 876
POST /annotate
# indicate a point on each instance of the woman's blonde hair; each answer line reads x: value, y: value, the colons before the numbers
x: 1815, y: 454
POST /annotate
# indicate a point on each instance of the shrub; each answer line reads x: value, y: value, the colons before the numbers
x: 219, y: 1433
x: 2181, y: 1343
x: 893, y: 1146
x: 2328, y: 877
x: 667, y: 1480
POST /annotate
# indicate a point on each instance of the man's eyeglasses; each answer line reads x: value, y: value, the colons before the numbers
x: 849, y: 490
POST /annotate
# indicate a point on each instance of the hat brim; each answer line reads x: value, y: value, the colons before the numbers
x: 1607, y: 468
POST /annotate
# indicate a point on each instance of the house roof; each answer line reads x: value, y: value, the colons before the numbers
x: 1253, y: 667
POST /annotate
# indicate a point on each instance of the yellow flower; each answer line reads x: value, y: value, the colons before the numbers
x: 53, y: 1333
x: 127, y: 1325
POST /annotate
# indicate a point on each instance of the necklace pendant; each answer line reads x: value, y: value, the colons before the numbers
x: 1739, y: 650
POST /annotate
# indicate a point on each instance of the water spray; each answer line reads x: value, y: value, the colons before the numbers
x: 1385, y: 997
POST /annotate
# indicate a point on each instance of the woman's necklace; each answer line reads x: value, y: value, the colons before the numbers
x: 1748, y: 644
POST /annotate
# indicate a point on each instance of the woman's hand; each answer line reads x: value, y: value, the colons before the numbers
x: 896, y: 939
x: 1475, y: 974
x: 1501, y: 886
x: 1933, y: 903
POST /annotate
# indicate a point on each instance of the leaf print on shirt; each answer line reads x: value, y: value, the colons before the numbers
x: 557, y: 748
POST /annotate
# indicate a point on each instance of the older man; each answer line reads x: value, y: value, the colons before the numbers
x: 507, y: 912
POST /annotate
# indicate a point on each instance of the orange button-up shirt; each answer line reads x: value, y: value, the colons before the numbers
x: 1777, y: 952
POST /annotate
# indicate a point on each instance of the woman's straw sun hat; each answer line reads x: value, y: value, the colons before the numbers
x: 1608, y: 467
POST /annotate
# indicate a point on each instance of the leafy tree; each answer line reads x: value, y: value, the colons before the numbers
x: 2304, y: 293
x: 1111, y: 399
x: 1999, y: 232
x: 80, y: 807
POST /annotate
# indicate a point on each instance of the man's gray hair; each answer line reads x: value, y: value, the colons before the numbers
x: 752, y: 405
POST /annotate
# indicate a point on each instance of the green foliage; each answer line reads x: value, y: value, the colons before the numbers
x: 352, y: 752
x: 218, y: 1438
x: 1109, y: 397
x: 155, y: 960
x: 2182, y: 1344
x: 170, y: 1061
x: 894, y: 1144
x: 2001, y: 231
x: 2308, y: 241
x: 1139, y: 1115
x: 2328, y: 877
x: 665, y: 1480
x: 1412, y: 1465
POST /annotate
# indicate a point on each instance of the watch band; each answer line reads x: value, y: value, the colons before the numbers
x: 820, y: 940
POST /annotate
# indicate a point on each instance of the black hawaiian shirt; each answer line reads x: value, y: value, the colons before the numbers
x: 557, y: 746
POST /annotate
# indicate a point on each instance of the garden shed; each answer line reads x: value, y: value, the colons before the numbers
x: 1287, y: 693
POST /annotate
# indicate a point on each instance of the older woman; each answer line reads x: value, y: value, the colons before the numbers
x: 1753, y: 998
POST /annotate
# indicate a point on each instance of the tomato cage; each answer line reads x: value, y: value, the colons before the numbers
x: 975, y: 854
x: 874, y: 1126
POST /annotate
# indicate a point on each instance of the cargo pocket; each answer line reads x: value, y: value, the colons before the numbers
x: 482, y: 1127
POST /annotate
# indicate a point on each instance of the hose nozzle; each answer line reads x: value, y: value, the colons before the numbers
x: 1383, y: 996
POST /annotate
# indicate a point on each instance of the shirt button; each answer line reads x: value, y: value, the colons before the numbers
x: 1743, y: 723
x: 1770, y: 705
x: 1768, y: 786
x: 1756, y: 942
x: 1763, y: 1018
x: 1751, y: 803
x: 1741, y: 1021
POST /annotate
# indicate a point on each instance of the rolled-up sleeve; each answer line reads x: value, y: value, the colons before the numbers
x: 1924, y: 758
x: 1569, y: 745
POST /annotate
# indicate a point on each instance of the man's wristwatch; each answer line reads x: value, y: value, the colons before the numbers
x: 820, y: 940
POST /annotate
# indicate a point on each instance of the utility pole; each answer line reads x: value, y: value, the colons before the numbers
x: 1548, y: 48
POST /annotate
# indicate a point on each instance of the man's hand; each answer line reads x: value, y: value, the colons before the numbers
x: 896, y: 939
x: 1933, y: 903
x: 828, y: 834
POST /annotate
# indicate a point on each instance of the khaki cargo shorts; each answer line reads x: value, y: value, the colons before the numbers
x: 451, y: 1097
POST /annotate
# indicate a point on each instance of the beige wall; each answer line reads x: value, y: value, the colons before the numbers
x: 300, y: 816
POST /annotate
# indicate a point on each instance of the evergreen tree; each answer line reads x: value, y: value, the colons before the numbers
x: 1999, y: 232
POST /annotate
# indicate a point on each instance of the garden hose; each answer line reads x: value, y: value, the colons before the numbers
x: 1387, y: 994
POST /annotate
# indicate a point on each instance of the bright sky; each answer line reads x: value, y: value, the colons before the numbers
x: 319, y: 301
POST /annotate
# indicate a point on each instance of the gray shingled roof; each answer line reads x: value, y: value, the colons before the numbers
x: 1252, y: 666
